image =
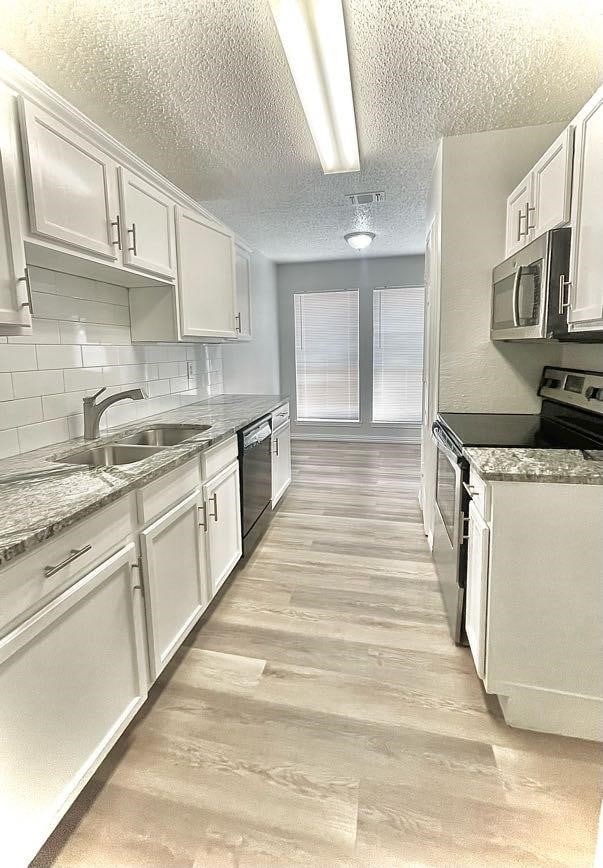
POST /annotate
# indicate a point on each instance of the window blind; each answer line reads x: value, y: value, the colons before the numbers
x: 397, y: 354
x: 326, y: 356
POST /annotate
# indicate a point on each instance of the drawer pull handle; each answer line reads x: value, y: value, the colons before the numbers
x: 203, y: 512
x: 73, y: 555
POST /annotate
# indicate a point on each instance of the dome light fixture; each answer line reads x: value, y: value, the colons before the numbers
x: 359, y: 240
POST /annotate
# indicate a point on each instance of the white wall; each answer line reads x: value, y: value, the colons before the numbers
x: 588, y: 357
x: 252, y: 367
x: 478, y: 173
x: 362, y: 273
x: 81, y: 342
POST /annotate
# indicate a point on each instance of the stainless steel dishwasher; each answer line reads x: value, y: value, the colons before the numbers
x: 255, y: 461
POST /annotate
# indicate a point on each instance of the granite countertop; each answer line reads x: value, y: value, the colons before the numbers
x: 34, y: 510
x: 505, y: 464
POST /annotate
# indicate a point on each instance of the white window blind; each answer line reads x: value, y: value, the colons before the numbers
x: 397, y: 354
x: 326, y: 356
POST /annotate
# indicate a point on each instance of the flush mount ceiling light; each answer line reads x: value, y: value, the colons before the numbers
x: 313, y: 36
x: 359, y: 240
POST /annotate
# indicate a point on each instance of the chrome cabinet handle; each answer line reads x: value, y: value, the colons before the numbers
x: 203, y: 510
x: 528, y: 224
x: 132, y: 232
x: 117, y: 224
x: 29, y: 302
x: 73, y: 555
x: 564, y: 302
x: 276, y: 446
x: 471, y: 491
x: 520, y: 216
x: 238, y: 323
x: 214, y: 514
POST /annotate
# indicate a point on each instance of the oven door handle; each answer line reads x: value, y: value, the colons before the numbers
x: 516, y: 283
x: 445, y: 448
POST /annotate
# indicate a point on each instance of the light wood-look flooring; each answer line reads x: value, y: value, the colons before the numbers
x: 321, y: 716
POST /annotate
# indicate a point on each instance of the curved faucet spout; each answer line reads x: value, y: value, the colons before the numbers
x: 94, y: 411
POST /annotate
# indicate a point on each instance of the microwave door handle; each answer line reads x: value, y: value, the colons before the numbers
x: 516, y: 283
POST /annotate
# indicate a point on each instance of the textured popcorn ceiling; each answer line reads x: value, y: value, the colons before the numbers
x: 202, y: 91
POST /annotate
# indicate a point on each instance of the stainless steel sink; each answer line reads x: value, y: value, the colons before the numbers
x: 164, y: 435
x: 111, y: 455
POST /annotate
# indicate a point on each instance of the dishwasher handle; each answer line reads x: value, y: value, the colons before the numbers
x: 257, y: 435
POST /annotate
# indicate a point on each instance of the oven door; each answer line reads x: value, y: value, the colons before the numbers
x: 519, y: 294
x: 448, y: 537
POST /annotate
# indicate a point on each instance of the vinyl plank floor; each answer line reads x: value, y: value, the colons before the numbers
x: 320, y: 714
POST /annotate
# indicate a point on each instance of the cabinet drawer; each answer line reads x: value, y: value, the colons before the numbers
x: 480, y: 493
x: 25, y: 587
x: 163, y: 493
x: 219, y: 457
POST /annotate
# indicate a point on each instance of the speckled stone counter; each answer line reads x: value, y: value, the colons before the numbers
x: 32, y: 511
x: 504, y: 464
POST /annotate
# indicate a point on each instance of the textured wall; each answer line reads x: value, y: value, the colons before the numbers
x: 364, y: 274
x: 81, y: 342
x: 252, y: 367
x: 477, y: 374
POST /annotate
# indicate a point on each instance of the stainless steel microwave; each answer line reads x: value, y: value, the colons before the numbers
x: 530, y: 290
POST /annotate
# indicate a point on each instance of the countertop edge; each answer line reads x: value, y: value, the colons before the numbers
x: 171, y: 458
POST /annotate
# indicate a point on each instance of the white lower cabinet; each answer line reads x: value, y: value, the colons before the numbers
x: 173, y: 553
x: 281, y: 461
x: 72, y: 676
x: 223, y: 524
x: 477, y: 587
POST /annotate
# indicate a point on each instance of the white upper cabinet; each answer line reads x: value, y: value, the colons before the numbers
x: 206, y: 276
x: 147, y: 226
x: 243, y: 287
x: 15, y: 300
x: 518, y: 216
x: 552, y: 184
x: 586, y: 268
x: 71, y: 185
x: 541, y: 200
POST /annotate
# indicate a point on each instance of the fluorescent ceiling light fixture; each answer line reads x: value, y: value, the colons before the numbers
x: 359, y: 240
x: 313, y: 36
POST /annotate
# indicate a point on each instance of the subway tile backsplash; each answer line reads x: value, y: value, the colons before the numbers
x: 80, y: 342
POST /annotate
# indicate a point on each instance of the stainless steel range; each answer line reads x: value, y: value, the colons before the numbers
x: 571, y: 418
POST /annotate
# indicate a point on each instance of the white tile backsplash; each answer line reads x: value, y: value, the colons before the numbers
x: 79, y: 343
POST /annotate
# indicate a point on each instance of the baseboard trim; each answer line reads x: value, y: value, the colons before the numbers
x: 359, y: 438
x: 570, y: 714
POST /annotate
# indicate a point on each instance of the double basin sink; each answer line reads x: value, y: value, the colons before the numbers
x: 133, y: 447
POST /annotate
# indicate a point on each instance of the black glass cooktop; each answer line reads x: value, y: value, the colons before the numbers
x: 556, y: 427
x: 493, y: 429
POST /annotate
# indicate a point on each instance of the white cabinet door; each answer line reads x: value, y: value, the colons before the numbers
x: 519, y: 216
x: 281, y: 462
x: 243, y: 285
x: 71, y: 185
x: 552, y: 184
x: 173, y: 553
x: 71, y: 678
x: 15, y: 301
x: 206, y: 276
x: 477, y: 587
x: 147, y: 226
x: 586, y: 269
x: 223, y: 523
